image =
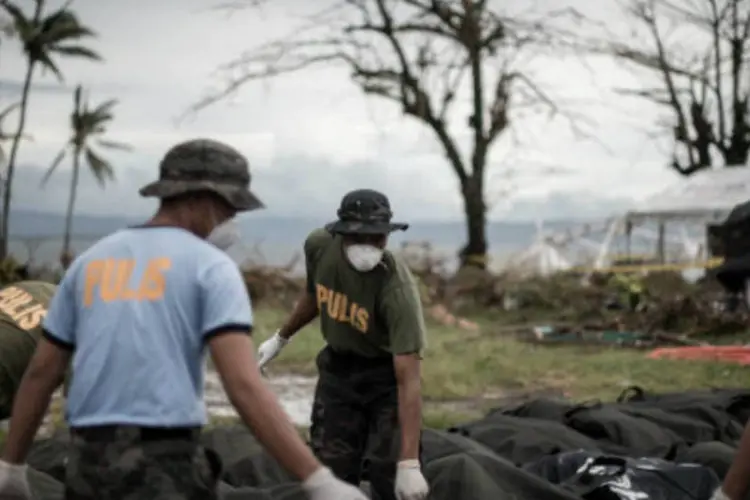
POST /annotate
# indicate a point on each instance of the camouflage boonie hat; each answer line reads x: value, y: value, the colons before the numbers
x: 205, y: 165
x: 365, y: 211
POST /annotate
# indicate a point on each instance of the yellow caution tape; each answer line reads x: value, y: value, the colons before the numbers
x: 637, y: 268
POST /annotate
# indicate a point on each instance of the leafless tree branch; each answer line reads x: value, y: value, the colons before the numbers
x: 420, y: 54
x: 703, y: 74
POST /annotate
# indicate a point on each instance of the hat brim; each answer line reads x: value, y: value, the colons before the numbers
x: 355, y: 227
x: 241, y: 199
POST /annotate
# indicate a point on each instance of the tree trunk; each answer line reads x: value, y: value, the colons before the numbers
x: 66, y: 256
x: 474, y: 253
x: 12, y: 158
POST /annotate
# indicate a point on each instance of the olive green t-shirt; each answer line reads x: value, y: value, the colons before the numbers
x: 23, y: 306
x: 372, y: 314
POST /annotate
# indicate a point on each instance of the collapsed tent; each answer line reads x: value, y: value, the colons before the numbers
x: 641, y: 447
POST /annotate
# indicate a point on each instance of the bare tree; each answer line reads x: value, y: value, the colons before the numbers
x: 421, y: 55
x: 696, y: 51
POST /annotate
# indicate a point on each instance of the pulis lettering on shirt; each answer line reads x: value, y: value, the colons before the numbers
x: 21, y: 308
x: 110, y: 279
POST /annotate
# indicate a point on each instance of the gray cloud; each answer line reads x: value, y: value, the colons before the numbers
x: 310, y: 137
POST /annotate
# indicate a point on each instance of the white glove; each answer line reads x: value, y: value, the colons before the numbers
x: 719, y: 495
x: 323, y: 485
x: 14, y: 484
x: 270, y: 349
x: 410, y: 483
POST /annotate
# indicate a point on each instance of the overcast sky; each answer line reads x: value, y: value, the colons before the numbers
x: 311, y: 137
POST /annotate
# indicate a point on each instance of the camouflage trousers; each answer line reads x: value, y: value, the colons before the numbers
x: 355, y: 428
x: 130, y: 463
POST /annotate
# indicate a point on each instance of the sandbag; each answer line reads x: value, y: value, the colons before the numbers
x: 50, y: 455
x: 734, y: 402
x: 480, y: 476
x: 44, y: 487
x: 232, y: 443
x: 619, y: 433
x: 246, y: 493
x: 690, y: 429
x: 714, y: 455
x: 541, y: 408
x: 259, y: 470
x: 280, y: 492
x: 438, y: 444
x: 521, y: 440
x: 600, y: 477
x: 288, y: 492
x: 244, y: 461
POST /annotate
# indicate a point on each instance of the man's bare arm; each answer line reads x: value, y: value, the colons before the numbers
x: 737, y: 481
x: 233, y: 357
x: 408, y: 374
x: 44, y: 374
x: 304, y: 312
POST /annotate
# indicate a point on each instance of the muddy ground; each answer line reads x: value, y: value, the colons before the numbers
x: 295, y: 393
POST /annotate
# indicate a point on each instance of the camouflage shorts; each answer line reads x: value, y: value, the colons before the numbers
x: 355, y: 428
x: 120, y: 464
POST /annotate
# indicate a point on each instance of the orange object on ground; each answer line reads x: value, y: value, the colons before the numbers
x: 728, y: 354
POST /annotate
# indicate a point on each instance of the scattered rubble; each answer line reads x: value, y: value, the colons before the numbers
x: 672, y: 311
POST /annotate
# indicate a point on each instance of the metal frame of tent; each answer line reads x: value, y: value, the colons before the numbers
x: 699, y: 200
x: 694, y: 202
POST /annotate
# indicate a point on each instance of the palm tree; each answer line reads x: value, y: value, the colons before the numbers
x: 87, y: 126
x: 43, y: 36
x: 3, y: 135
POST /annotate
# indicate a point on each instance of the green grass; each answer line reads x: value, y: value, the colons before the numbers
x: 465, y: 373
x: 479, y: 368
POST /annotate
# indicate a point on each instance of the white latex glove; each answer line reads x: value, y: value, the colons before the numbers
x: 410, y: 483
x: 270, y: 349
x: 14, y: 484
x: 719, y: 495
x: 323, y: 485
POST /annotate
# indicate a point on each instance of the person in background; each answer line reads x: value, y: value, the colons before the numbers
x: 136, y: 312
x: 23, y: 306
x: 368, y: 397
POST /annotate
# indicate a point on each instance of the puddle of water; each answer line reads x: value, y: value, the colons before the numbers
x: 295, y: 394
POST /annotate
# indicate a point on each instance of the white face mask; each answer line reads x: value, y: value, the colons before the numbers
x: 225, y: 235
x: 364, y: 258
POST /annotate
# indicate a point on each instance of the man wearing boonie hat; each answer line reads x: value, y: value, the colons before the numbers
x: 367, y: 407
x: 135, y: 313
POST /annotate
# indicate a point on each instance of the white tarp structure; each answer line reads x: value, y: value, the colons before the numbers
x: 540, y: 259
x: 705, y: 197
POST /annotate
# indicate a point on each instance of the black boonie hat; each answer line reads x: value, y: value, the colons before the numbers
x: 365, y: 211
x: 205, y: 165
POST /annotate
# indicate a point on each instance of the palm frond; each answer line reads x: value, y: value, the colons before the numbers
x: 105, y: 108
x: 119, y: 146
x: 8, y: 110
x: 45, y: 61
x: 58, y: 33
x: 63, y: 24
x: 20, y: 21
x: 100, y: 167
x: 76, y: 51
x: 53, y: 167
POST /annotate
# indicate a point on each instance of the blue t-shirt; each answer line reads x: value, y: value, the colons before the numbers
x: 137, y: 309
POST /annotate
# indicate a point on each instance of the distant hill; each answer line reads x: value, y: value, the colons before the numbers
x: 278, y: 239
x: 30, y: 224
